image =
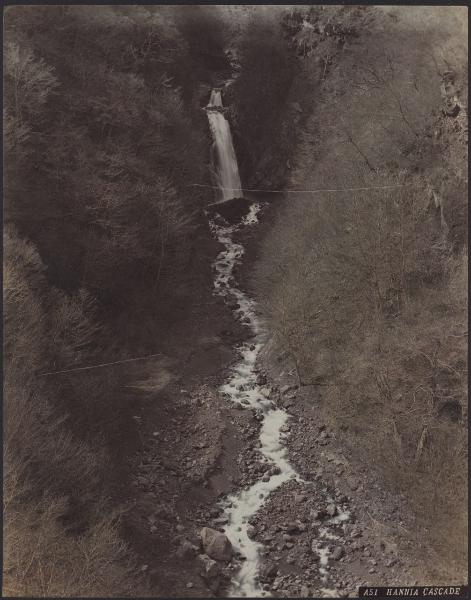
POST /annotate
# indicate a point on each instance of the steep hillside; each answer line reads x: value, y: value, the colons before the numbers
x: 106, y: 249
x: 364, y: 277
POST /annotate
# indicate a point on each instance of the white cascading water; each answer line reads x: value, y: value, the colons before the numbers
x: 242, y: 386
x: 226, y: 171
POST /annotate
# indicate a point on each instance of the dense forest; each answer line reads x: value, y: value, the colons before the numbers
x: 103, y: 134
x: 107, y: 248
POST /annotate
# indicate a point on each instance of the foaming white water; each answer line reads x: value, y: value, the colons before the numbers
x: 226, y: 170
x: 242, y: 506
x: 251, y: 218
x: 242, y: 388
x: 215, y: 98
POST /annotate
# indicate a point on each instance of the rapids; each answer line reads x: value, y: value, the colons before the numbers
x: 242, y: 386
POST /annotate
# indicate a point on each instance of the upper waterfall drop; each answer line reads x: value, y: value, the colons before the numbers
x: 226, y: 170
x: 215, y: 98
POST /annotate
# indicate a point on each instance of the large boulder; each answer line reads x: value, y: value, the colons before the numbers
x: 232, y: 210
x: 209, y: 568
x: 270, y: 571
x: 215, y: 544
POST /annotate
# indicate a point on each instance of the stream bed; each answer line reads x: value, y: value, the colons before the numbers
x: 242, y: 387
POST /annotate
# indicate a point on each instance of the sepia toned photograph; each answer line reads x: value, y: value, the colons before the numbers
x: 235, y: 296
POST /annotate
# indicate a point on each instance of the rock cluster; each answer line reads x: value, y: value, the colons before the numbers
x: 318, y: 534
x: 216, y: 544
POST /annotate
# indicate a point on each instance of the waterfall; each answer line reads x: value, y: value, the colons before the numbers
x: 226, y: 170
x: 242, y: 386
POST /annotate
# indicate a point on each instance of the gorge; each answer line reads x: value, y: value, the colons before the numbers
x: 243, y: 386
x: 235, y: 300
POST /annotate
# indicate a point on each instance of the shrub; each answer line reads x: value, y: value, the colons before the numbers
x: 365, y: 284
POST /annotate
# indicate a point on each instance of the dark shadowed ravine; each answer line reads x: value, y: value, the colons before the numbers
x: 243, y: 386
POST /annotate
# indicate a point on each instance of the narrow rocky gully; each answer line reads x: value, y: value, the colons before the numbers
x: 237, y: 493
x: 235, y: 300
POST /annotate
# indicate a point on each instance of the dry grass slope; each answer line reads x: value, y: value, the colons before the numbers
x: 367, y: 290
